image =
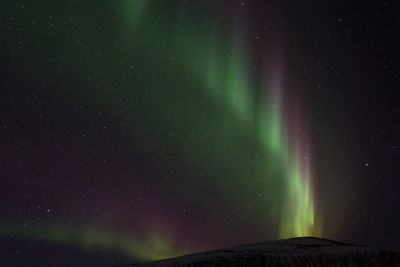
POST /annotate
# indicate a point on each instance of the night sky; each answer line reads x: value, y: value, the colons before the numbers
x: 135, y: 130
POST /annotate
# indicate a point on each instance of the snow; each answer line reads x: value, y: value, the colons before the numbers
x: 305, y: 251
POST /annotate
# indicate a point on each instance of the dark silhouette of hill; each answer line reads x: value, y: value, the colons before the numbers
x: 304, y: 251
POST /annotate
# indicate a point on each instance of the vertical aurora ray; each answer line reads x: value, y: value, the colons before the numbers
x: 288, y: 140
x: 228, y: 82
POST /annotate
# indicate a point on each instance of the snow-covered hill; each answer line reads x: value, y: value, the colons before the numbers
x: 305, y: 251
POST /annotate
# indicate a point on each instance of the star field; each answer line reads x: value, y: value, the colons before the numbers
x: 138, y: 130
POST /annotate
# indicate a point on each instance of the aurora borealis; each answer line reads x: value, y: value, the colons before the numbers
x: 147, y: 129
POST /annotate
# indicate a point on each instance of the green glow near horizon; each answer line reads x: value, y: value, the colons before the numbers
x: 154, y: 247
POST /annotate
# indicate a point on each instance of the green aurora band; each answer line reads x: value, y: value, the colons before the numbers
x: 255, y: 106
